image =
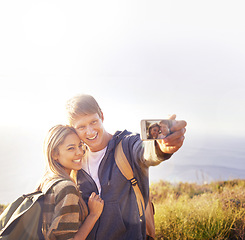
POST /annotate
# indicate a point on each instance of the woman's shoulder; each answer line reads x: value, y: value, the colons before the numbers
x: 64, y: 184
x: 63, y: 187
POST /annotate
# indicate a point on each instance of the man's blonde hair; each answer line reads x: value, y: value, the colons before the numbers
x: 82, y: 104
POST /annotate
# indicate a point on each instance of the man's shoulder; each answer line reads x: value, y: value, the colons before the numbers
x: 125, y: 133
x: 128, y: 138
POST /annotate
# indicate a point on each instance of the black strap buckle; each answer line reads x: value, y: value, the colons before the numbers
x: 133, y: 181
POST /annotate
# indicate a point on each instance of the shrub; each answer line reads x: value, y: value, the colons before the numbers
x: 189, y: 211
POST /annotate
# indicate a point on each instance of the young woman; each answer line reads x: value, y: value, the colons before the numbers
x: 65, y: 214
x: 153, y: 131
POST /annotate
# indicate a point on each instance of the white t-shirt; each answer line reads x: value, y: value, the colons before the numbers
x: 91, y: 164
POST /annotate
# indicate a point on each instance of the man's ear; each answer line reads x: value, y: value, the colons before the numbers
x: 102, y: 116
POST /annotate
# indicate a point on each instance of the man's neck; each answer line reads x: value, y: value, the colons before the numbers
x: 106, y: 139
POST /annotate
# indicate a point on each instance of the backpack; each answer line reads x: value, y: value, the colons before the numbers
x: 126, y: 170
x: 22, y: 219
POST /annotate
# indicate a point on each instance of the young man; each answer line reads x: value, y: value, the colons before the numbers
x: 120, y: 218
x: 164, y: 129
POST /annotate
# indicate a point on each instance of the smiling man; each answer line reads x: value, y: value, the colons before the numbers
x: 120, y: 218
x: 91, y: 131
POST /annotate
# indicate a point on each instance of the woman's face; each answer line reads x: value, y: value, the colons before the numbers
x: 70, y: 153
x: 154, y: 132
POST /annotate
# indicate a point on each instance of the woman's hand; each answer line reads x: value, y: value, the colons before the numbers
x: 95, y: 205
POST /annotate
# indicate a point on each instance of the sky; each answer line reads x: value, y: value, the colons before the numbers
x: 139, y: 59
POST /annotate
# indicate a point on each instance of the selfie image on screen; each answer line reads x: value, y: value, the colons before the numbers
x: 158, y: 129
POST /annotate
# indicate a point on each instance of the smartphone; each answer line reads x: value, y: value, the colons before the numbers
x: 155, y: 128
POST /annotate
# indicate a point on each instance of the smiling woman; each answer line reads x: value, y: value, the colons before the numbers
x: 65, y: 212
x: 69, y: 153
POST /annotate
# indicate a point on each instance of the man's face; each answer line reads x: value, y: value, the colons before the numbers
x: 164, y: 129
x: 91, y: 131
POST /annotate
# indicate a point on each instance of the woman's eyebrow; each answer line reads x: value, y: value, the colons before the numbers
x: 72, y: 144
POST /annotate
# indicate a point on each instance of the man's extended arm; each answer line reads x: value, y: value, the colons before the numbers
x: 162, y: 149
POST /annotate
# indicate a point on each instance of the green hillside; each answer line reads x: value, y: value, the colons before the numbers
x: 190, y: 211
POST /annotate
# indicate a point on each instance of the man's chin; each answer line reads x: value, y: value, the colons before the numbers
x: 92, y: 143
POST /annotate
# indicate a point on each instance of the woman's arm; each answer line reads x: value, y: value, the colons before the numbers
x: 62, y: 213
x: 95, y: 204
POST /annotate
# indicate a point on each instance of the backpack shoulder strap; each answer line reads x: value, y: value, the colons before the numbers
x: 126, y: 170
x: 51, y: 184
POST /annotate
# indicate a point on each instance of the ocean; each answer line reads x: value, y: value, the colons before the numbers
x: 202, y: 159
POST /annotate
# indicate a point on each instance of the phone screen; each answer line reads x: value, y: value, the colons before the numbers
x: 155, y: 128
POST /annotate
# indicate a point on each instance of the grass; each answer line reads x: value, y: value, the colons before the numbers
x: 190, y: 211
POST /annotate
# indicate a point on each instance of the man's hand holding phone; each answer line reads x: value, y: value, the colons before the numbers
x: 174, y: 141
x: 168, y: 133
